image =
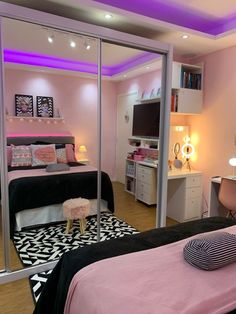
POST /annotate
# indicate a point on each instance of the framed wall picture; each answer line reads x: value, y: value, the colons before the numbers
x: 44, y: 106
x: 24, y: 105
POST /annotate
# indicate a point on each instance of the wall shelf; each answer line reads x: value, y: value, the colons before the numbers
x: 148, y: 100
x: 35, y: 119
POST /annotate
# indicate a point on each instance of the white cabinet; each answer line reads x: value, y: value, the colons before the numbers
x: 186, y: 89
x: 184, y: 199
x: 146, y: 182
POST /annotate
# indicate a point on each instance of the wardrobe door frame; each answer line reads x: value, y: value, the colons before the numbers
x: 100, y: 33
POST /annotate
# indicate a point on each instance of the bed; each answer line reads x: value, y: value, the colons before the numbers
x: 32, y: 190
x: 58, y: 296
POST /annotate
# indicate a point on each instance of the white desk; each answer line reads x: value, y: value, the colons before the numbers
x: 215, y: 207
x: 184, y: 194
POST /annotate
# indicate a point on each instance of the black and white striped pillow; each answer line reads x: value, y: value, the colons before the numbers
x: 211, y: 251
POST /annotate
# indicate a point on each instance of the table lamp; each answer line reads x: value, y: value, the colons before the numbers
x: 82, y: 151
x: 232, y: 163
x: 187, y: 151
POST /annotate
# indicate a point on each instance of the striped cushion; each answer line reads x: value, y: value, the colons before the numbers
x: 211, y: 251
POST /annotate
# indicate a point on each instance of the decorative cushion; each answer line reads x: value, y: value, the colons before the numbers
x: 43, y: 154
x: 61, y: 155
x: 211, y: 251
x: 70, y: 153
x: 21, y: 156
x: 57, y: 167
x: 9, y: 155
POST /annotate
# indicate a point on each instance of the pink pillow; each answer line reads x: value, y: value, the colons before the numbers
x: 43, y: 154
x: 21, y: 156
x: 9, y: 155
x: 70, y: 153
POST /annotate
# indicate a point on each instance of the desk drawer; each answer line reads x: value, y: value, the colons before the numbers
x: 143, y: 170
x: 193, y: 192
x: 192, y: 208
x: 147, y: 198
x: 193, y: 181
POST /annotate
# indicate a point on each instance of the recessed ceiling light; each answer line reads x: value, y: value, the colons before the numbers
x: 125, y: 75
x: 72, y: 44
x: 108, y: 16
x: 185, y: 36
x: 50, y: 39
x: 87, y: 46
x: 147, y: 67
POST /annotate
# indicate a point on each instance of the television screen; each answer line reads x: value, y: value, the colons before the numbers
x: 146, y: 119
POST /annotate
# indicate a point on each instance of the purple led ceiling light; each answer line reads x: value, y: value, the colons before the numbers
x: 168, y: 11
x: 36, y: 59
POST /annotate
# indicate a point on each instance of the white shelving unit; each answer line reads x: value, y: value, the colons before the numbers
x: 142, y: 142
x: 186, y: 88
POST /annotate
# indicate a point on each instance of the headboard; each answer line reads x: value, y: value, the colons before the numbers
x: 27, y: 140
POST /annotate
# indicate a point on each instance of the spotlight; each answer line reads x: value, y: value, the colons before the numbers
x: 87, y: 46
x: 72, y: 44
x: 108, y: 16
x: 184, y: 36
x: 50, y: 39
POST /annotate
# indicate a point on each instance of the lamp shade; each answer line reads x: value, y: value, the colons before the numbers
x: 82, y: 149
x: 232, y: 161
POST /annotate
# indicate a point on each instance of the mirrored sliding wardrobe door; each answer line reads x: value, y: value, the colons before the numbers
x: 131, y: 106
x: 51, y: 103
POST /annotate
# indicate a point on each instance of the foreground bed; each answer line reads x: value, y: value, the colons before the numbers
x: 53, y: 297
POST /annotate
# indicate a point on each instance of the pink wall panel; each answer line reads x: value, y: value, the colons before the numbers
x: 215, y: 128
x: 76, y: 98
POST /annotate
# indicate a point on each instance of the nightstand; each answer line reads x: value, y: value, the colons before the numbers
x: 84, y: 161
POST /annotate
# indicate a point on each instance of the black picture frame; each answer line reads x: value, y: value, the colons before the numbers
x: 44, y: 106
x: 24, y: 105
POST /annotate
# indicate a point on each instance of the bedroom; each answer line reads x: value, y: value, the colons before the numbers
x: 225, y: 168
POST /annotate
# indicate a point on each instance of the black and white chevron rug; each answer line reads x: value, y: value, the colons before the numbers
x: 40, y: 245
x: 49, y: 243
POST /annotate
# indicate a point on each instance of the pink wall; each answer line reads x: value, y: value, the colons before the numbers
x: 76, y: 98
x: 216, y: 126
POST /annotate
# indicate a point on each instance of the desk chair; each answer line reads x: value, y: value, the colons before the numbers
x: 227, y: 196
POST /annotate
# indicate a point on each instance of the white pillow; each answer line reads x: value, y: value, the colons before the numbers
x: 43, y: 154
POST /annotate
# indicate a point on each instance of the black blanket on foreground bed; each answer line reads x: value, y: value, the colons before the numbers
x: 33, y: 192
x: 53, y: 296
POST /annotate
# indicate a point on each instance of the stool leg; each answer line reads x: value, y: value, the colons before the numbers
x: 69, y: 225
x: 82, y: 224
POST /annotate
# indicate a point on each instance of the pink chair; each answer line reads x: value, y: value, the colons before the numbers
x: 227, y: 196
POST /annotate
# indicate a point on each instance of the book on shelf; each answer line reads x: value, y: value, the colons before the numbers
x: 174, y: 102
x: 191, y: 80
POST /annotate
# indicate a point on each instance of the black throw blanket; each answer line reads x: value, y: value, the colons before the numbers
x: 53, y: 296
x: 33, y: 192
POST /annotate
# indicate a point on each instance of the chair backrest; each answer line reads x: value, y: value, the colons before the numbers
x: 227, y: 193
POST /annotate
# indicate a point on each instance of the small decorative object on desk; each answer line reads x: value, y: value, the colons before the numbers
x: 24, y: 105
x: 152, y: 94
x: 44, y: 106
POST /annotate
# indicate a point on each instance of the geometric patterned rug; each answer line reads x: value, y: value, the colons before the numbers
x: 44, y: 244
x: 49, y: 243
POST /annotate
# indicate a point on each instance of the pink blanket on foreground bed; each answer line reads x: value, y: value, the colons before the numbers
x: 156, y: 281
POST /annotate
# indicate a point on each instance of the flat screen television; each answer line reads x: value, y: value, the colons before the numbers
x: 146, y: 120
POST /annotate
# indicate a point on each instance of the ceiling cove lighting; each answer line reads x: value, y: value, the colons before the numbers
x: 35, y: 59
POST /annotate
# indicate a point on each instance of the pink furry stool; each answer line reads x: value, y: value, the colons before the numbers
x: 76, y: 208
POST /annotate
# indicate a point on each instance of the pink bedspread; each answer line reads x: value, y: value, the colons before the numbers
x: 154, y: 281
x: 15, y: 174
